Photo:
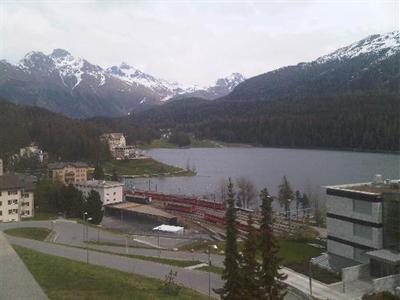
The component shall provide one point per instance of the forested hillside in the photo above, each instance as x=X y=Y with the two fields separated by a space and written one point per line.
x=61 y=137
x=352 y=120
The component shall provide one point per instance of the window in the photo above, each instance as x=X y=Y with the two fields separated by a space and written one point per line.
x=362 y=207
x=1 y=202
x=362 y=231
x=25 y=195
x=12 y=193
x=1 y=213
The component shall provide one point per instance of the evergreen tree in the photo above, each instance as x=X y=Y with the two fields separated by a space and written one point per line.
x=298 y=203
x=94 y=207
x=250 y=268
x=232 y=289
x=98 y=172
x=305 y=203
x=114 y=176
x=285 y=194
x=271 y=278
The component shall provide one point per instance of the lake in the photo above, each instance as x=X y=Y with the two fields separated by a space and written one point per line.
x=306 y=170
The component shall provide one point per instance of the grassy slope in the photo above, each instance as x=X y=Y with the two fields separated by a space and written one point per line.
x=62 y=278
x=40 y=216
x=143 y=167
x=34 y=233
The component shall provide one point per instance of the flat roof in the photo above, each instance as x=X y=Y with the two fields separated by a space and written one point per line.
x=385 y=255
x=168 y=228
x=143 y=209
x=393 y=186
x=99 y=183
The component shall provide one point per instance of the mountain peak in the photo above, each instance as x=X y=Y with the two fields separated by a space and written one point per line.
x=59 y=53
x=385 y=44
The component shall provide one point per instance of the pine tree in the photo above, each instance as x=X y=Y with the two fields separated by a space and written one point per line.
x=249 y=267
x=232 y=288
x=271 y=278
x=285 y=194
x=94 y=207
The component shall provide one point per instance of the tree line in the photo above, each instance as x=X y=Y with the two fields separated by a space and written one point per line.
x=55 y=197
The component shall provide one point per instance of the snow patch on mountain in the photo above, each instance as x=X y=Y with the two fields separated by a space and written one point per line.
x=387 y=44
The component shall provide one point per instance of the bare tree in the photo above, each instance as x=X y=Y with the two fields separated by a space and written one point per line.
x=222 y=190
x=247 y=192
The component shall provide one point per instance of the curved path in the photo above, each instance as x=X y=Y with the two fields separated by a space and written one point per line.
x=71 y=233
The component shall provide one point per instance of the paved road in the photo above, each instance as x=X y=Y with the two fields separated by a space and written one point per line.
x=71 y=233
x=193 y=279
x=16 y=282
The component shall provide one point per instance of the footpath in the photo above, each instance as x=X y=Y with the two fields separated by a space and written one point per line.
x=16 y=282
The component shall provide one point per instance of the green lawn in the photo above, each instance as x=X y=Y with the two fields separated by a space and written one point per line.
x=34 y=233
x=144 y=167
x=212 y=269
x=66 y=279
x=295 y=255
x=135 y=244
x=41 y=216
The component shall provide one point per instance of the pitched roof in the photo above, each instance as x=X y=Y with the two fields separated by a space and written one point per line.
x=16 y=181
x=62 y=165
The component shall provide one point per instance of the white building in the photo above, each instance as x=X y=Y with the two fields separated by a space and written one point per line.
x=32 y=150
x=16 y=197
x=110 y=191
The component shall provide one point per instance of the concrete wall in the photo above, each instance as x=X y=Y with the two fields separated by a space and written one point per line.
x=356 y=272
x=387 y=283
x=344 y=230
x=344 y=207
x=340 y=249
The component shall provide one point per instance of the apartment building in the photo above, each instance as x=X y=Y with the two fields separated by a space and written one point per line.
x=110 y=191
x=363 y=223
x=68 y=172
x=16 y=197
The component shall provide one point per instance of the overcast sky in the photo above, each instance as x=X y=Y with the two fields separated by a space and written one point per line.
x=191 y=41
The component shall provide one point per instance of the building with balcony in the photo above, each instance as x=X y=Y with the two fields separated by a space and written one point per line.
x=68 y=172
x=363 y=223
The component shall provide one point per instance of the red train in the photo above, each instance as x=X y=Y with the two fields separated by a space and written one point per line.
x=180 y=199
x=181 y=208
x=221 y=220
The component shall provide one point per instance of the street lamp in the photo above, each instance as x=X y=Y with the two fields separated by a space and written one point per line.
x=310 y=273
x=87 y=236
x=209 y=268
x=83 y=225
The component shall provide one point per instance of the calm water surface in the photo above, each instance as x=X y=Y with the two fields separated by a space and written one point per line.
x=305 y=169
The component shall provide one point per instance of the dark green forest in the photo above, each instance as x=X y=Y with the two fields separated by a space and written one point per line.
x=63 y=138
x=350 y=120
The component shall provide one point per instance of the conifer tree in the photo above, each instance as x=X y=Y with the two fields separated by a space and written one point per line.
x=232 y=288
x=271 y=278
x=249 y=267
x=94 y=207
x=285 y=194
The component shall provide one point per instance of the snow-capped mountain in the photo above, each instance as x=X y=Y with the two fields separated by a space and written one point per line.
x=74 y=86
x=367 y=64
x=382 y=45
x=222 y=87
